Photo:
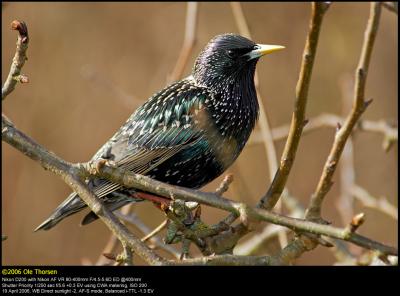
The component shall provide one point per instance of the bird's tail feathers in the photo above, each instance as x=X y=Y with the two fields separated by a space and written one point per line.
x=71 y=205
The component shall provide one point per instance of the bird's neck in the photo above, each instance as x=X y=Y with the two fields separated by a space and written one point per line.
x=234 y=107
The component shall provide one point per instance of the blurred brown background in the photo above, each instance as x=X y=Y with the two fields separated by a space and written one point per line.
x=92 y=64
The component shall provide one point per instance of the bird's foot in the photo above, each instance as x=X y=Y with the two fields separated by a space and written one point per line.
x=185 y=249
x=161 y=203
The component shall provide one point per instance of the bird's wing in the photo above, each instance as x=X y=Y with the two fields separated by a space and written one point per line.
x=159 y=129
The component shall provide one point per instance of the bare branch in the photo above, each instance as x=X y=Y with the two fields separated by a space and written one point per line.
x=359 y=106
x=72 y=174
x=19 y=59
x=330 y=120
x=230 y=260
x=249 y=247
x=391 y=6
x=155 y=240
x=269 y=200
x=112 y=242
x=69 y=173
x=345 y=202
x=155 y=231
x=224 y=186
x=127 y=255
x=347 y=179
x=356 y=222
x=380 y=204
x=129 y=179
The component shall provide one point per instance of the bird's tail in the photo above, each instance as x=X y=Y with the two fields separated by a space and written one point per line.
x=71 y=205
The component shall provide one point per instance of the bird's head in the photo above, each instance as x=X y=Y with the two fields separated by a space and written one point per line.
x=229 y=57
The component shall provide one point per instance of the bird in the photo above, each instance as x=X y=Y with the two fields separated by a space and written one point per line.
x=188 y=133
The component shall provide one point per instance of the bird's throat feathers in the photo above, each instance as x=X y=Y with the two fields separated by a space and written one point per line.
x=234 y=98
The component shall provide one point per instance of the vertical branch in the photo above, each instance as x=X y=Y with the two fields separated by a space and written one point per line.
x=345 y=203
x=392 y=6
x=269 y=200
x=112 y=242
x=359 y=106
x=127 y=255
x=188 y=42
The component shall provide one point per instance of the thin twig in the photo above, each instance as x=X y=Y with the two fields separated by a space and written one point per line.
x=127 y=255
x=188 y=42
x=155 y=240
x=19 y=59
x=355 y=223
x=252 y=245
x=331 y=120
x=249 y=247
x=391 y=6
x=224 y=186
x=345 y=202
x=155 y=231
x=359 y=106
x=367 y=200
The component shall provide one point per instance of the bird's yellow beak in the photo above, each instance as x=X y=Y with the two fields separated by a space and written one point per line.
x=263 y=49
x=266 y=49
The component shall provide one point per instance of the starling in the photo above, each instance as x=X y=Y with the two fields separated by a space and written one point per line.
x=187 y=134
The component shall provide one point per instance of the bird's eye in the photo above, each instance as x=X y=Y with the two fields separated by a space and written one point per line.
x=231 y=53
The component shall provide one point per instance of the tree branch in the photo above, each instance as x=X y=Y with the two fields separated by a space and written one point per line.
x=129 y=179
x=19 y=59
x=367 y=200
x=391 y=6
x=69 y=173
x=112 y=242
x=269 y=200
x=72 y=174
x=155 y=240
x=359 y=106
x=388 y=131
x=249 y=247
